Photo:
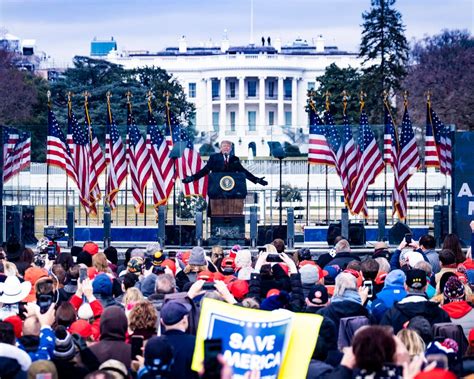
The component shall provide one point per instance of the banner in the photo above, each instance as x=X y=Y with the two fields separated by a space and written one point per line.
x=279 y=343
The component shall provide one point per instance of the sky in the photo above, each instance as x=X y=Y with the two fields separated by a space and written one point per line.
x=64 y=28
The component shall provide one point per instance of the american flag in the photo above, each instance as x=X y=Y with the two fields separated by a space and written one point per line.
x=319 y=151
x=58 y=153
x=18 y=157
x=442 y=141
x=10 y=138
x=98 y=163
x=161 y=165
x=189 y=163
x=78 y=141
x=390 y=140
x=115 y=158
x=139 y=165
x=348 y=161
x=446 y=142
x=407 y=163
x=431 y=150
x=369 y=165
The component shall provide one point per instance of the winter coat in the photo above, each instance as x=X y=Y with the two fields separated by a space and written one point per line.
x=13 y=361
x=411 y=306
x=70 y=369
x=183 y=347
x=433 y=257
x=342 y=259
x=461 y=313
x=385 y=300
x=39 y=348
x=97 y=310
x=112 y=345
x=261 y=284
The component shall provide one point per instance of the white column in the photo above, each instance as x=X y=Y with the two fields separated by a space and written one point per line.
x=240 y=129
x=209 y=104
x=294 y=102
x=281 y=110
x=222 y=111
x=261 y=104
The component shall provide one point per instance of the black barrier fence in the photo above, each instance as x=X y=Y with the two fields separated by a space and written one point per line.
x=421 y=208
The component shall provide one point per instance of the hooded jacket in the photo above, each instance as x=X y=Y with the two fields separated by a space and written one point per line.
x=461 y=313
x=112 y=345
x=385 y=300
x=411 y=306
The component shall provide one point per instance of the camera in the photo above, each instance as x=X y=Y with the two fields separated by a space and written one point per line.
x=44 y=301
x=53 y=233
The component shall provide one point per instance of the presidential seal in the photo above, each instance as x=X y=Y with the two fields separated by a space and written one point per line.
x=227 y=183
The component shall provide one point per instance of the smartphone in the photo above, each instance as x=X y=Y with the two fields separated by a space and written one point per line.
x=82 y=274
x=440 y=359
x=212 y=367
x=51 y=252
x=44 y=301
x=274 y=258
x=137 y=344
x=408 y=238
x=44 y=375
x=370 y=286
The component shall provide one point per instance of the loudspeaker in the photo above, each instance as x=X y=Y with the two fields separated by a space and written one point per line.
x=397 y=233
x=180 y=235
x=227 y=230
x=441 y=223
x=20 y=220
x=357 y=234
x=28 y=225
x=267 y=233
x=356 y=237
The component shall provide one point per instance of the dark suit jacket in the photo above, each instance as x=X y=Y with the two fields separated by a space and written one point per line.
x=216 y=164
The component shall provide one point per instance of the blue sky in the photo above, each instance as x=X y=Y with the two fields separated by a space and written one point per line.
x=64 y=28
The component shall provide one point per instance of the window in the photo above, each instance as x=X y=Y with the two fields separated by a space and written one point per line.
x=192 y=90
x=271 y=118
x=252 y=121
x=252 y=88
x=232 y=121
x=232 y=89
x=287 y=88
x=215 y=89
x=287 y=118
x=271 y=89
x=215 y=121
x=311 y=86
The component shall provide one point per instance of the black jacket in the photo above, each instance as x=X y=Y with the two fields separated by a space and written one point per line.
x=341 y=309
x=402 y=312
x=183 y=350
x=342 y=259
x=216 y=164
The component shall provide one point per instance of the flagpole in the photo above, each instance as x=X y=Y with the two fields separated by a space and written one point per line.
x=328 y=203
x=128 y=94
x=47 y=169
x=144 y=206
x=385 y=97
x=310 y=94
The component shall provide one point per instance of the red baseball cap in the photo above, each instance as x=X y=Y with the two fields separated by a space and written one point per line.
x=170 y=264
x=206 y=275
x=272 y=292
x=239 y=288
x=91 y=247
x=81 y=327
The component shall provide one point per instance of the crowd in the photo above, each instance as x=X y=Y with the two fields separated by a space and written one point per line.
x=405 y=313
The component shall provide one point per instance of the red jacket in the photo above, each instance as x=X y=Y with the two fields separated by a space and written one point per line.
x=97 y=309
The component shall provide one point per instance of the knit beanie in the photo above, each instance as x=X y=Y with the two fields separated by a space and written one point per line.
x=243 y=258
x=64 y=346
x=197 y=257
x=102 y=285
x=395 y=278
x=85 y=258
x=309 y=274
x=158 y=355
x=454 y=290
x=275 y=301
x=85 y=312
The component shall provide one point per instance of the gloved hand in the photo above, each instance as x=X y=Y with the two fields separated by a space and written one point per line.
x=188 y=179
x=262 y=181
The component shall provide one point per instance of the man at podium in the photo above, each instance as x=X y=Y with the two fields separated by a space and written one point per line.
x=224 y=162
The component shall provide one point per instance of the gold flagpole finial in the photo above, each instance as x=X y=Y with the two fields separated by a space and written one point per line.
x=128 y=95
x=109 y=95
x=385 y=96
x=428 y=96
x=328 y=102
x=69 y=96
x=405 y=98
x=149 y=96
x=362 y=96
x=86 y=95
x=48 y=95
x=167 y=95
x=344 y=100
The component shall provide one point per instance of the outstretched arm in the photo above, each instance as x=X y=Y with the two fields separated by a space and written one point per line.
x=198 y=175
x=249 y=175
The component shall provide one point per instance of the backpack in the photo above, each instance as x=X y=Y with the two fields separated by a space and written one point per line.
x=347 y=328
x=453 y=331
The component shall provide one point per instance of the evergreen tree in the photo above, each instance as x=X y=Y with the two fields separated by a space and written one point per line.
x=384 y=50
x=336 y=80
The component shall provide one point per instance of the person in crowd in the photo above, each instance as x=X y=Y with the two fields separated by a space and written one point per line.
x=112 y=345
x=25 y=261
x=381 y=250
x=65 y=315
x=426 y=267
x=65 y=355
x=316 y=298
x=347 y=300
x=398 y=260
x=174 y=318
x=197 y=263
x=32 y=275
x=100 y=263
x=13 y=296
x=243 y=264
x=158 y=359
x=309 y=277
x=43 y=369
x=165 y=284
x=112 y=258
x=142 y=320
x=14 y=362
x=447 y=260
x=369 y=270
x=412 y=341
x=416 y=303
x=72 y=276
x=451 y=242
x=427 y=244
x=392 y=292
x=131 y=297
x=214 y=261
x=455 y=304
x=102 y=287
x=65 y=260
x=343 y=255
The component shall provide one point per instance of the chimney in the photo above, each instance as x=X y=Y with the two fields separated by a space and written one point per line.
x=277 y=44
x=182 y=45
x=320 y=44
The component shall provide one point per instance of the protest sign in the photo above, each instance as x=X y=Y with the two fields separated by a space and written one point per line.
x=279 y=344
